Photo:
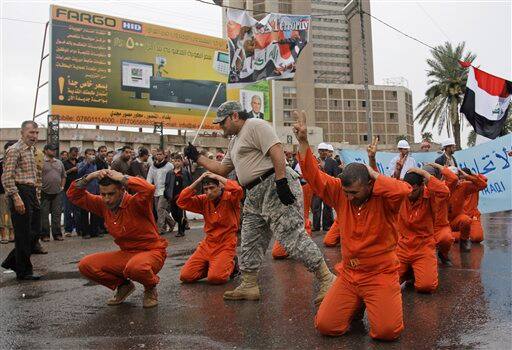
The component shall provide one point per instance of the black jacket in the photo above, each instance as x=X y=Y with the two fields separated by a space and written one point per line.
x=442 y=160
x=169 y=182
x=331 y=167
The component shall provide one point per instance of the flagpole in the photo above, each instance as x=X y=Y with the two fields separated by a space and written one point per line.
x=206 y=113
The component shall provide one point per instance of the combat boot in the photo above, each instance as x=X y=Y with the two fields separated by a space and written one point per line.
x=247 y=290
x=325 y=280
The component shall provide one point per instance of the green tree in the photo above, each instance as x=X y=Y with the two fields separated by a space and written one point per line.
x=426 y=136
x=402 y=137
x=447 y=84
x=507 y=129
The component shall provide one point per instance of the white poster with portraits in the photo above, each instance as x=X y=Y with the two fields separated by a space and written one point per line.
x=253 y=102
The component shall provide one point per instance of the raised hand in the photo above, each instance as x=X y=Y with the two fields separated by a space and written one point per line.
x=372 y=148
x=299 y=128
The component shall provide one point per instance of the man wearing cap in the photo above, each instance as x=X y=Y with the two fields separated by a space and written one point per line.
x=273 y=203
x=400 y=164
x=53 y=179
x=330 y=167
x=447 y=158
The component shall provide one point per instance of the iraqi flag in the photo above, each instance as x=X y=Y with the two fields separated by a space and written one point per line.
x=486 y=102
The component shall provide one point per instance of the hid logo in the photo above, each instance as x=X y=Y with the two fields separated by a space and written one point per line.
x=133 y=27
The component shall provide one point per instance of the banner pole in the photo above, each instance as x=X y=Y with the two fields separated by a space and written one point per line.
x=206 y=113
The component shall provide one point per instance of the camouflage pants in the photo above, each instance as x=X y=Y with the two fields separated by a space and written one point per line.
x=265 y=215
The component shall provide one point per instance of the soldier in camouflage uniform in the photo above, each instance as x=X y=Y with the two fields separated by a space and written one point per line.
x=273 y=204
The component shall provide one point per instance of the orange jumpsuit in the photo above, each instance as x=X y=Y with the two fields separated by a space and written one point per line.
x=462 y=189
x=416 y=242
x=442 y=230
x=476 y=233
x=214 y=256
x=368 y=271
x=332 y=237
x=134 y=229
x=278 y=251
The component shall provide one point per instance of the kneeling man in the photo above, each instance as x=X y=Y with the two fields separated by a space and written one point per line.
x=129 y=219
x=214 y=258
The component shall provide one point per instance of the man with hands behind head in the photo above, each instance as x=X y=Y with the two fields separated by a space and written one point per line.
x=129 y=219
x=219 y=204
x=367 y=205
x=273 y=203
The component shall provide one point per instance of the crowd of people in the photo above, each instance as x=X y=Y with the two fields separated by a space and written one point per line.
x=393 y=228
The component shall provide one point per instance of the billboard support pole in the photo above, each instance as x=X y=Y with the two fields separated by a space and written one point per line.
x=39 y=85
x=206 y=113
x=52 y=131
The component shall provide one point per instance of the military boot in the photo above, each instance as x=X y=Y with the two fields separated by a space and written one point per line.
x=247 y=290
x=325 y=279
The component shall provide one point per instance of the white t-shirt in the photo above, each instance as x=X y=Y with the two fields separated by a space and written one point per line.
x=408 y=164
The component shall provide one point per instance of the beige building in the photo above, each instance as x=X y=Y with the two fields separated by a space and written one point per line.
x=330 y=76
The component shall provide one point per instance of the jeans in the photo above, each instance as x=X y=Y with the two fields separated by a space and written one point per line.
x=51 y=205
x=71 y=215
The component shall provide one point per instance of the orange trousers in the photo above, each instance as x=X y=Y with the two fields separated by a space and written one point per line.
x=213 y=261
x=278 y=251
x=111 y=269
x=476 y=231
x=332 y=237
x=423 y=262
x=377 y=287
x=444 y=239
x=462 y=223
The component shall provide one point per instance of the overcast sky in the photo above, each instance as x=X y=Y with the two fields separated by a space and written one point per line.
x=485 y=26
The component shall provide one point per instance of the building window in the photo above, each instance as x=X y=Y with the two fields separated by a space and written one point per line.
x=392 y=116
x=287 y=102
x=363 y=103
x=286 y=114
x=348 y=103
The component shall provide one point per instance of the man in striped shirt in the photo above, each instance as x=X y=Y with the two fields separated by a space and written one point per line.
x=22 y=182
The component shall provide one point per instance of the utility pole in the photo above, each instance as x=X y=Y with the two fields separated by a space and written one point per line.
x=349 y=11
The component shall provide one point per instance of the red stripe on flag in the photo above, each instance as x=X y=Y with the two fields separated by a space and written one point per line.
x=493 y=85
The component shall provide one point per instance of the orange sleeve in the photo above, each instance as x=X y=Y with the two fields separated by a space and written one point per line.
x=234 y=190
x=325 y=186
x=438 y=188
x=143 y=190
x=85 y=200
x=475 y=184
x=392 y=190
x=451 y=178
x=188 y=200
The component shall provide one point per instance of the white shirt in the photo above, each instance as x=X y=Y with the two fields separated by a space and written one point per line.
x=156 y=176
x=408 y=164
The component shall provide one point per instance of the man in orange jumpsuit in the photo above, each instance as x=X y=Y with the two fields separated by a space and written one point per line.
x=214 y=257
x=367 y=205
x=416 y=243
x=129 y=219
x=442 y=229
x=476 y=234
x=461 y=189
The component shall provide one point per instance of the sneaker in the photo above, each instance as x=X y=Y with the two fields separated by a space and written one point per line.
x=122 y=292
x=45 y=239
x=150 y=298
x=68 y=234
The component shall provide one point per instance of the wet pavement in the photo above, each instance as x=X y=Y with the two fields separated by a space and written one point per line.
x=471 y=309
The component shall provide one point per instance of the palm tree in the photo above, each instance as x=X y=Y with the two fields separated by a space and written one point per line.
x=447 y=86
x=426 y=136
x=507 y=129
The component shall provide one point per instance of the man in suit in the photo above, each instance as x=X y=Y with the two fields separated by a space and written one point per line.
x=447 y=159
x=256 y=107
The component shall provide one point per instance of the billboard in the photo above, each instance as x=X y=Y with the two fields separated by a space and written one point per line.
x=266 y=49
x=115 y=71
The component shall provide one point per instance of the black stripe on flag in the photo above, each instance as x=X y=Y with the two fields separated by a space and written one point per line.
x=483 y=126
